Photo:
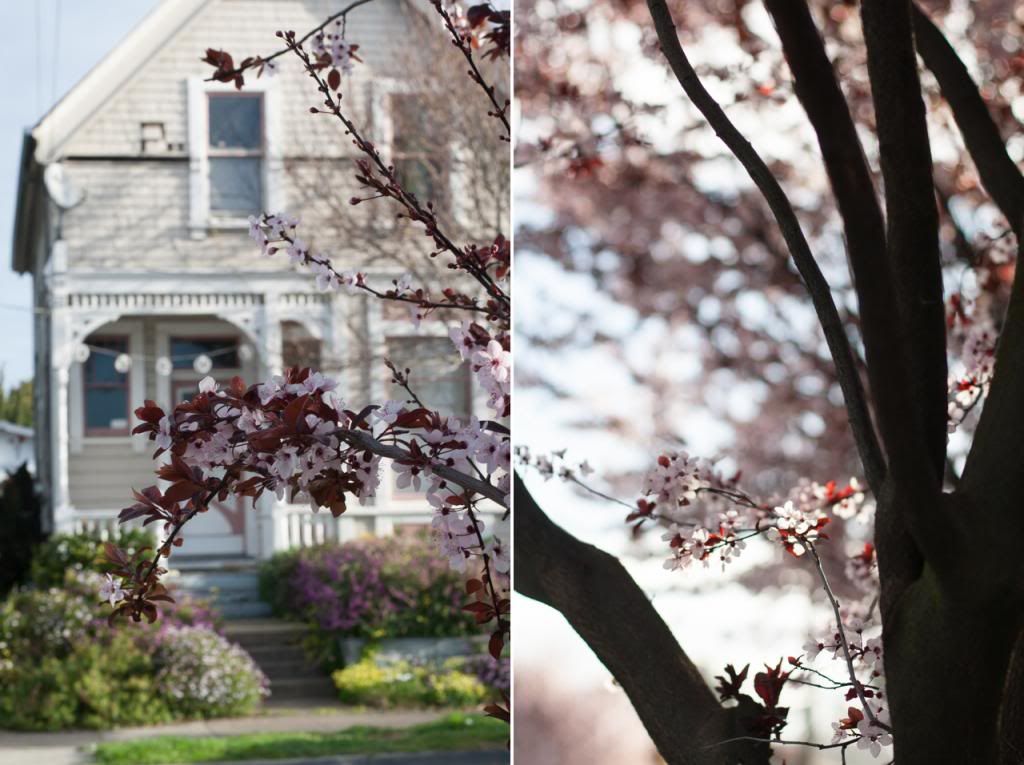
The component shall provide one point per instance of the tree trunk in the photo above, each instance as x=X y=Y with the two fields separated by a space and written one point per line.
x=948 y=641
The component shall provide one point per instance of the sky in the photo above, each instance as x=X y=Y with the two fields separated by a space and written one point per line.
x=52 y=45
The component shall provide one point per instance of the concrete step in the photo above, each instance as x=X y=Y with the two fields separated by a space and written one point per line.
x=224 y=581
x=230 y=582
x=274 y=629
x=245 y=610
x=294 y=668
x=302 y=689
x=276 y=646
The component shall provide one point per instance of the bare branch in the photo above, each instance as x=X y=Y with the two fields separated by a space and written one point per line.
x=913 y=234
x=814 y=280
x=997 y=454
x=999 y=174
x=819 y=92
x=363 y=440
x=613 y=615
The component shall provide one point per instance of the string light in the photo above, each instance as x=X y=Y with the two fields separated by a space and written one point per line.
x=202 y=364
x=84 y=350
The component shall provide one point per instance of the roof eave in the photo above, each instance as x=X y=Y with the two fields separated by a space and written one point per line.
x=26 y=206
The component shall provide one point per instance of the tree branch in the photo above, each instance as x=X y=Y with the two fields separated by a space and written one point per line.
x=999 y=174
x=882 y=323
x=817 y=287
x=913 y=238
x=361 y=440
x=997 y=454
x=818 y=90
x=615 y=618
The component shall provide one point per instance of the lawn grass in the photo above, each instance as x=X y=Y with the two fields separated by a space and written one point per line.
x=456 y=732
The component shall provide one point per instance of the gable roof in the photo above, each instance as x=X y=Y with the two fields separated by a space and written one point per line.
x=42 y=143
x=109 y=75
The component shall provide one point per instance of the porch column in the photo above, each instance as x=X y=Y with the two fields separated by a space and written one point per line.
x=271 y=516
x=60 y=374
x=274 y=351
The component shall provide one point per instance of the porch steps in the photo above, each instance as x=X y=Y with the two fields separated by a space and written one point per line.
x=232 y=584
x=276 y=646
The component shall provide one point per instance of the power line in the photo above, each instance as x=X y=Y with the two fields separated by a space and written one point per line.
x=39 y=59
x=56 y=49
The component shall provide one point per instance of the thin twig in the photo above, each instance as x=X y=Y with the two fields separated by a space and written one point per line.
x=842 y=639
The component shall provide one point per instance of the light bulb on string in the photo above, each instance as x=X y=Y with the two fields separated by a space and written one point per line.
x=164 y=366
x=82 y=353
x=123 y=363
x=203 y=364
x=245 y=352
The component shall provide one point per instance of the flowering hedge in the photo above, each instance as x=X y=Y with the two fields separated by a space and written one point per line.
x=204 y=675
x=369 y=588
x=62 y=665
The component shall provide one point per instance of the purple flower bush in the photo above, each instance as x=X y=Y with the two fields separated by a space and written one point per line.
x=370 y=588
x=493 y=673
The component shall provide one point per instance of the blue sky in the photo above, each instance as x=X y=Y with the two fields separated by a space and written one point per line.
x=52 y=44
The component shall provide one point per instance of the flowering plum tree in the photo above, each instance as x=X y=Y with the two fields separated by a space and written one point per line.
x=292 y=435
x=924 y=340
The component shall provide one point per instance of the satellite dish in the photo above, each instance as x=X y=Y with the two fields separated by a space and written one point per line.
x=60 y=189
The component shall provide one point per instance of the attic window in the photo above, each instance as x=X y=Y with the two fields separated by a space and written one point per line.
x=236 y=154
x=153 y=138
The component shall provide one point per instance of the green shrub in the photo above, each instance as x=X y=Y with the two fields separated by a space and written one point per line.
x=98 y=684
x=80 y=552
x=274 y=574
x=402 y=684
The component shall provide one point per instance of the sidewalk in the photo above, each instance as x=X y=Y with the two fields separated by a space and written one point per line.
x=64 y=748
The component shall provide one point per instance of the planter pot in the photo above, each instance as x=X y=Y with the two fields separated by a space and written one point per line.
x=412 y=649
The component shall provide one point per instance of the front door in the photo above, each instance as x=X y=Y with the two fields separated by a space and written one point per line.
x=221 y=529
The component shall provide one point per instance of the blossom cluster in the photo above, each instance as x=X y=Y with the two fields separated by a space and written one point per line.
x=553 y=464
x=277 y=232
x=858 y=642
x=970 y=386
x=295 y=438
x=708 y=515
x=490 y=358
x=333 y=50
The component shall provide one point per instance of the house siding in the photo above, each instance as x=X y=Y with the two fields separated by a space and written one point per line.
x=136 y=211
x=103 y=475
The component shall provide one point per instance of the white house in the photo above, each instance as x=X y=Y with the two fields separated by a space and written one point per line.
x=16 y=448
x=133 y=195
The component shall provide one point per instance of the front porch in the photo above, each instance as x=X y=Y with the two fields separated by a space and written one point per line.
x=277 y=527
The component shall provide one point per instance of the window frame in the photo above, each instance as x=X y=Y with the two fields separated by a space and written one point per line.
x=427 y=158
x=201 y=220
x=216 y=152
x=220 y=339
x=126 y=386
